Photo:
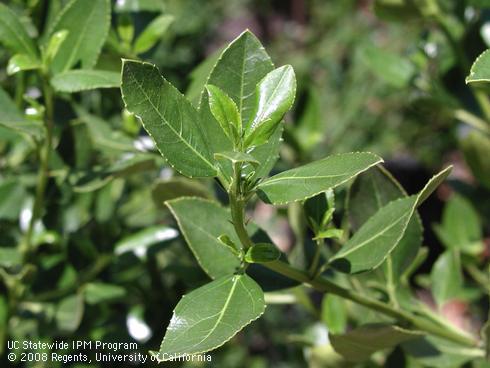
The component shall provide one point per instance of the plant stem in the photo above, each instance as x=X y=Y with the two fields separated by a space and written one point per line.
x=43 y=174
x=320 y=283
x=325 y=285
x=316 y=258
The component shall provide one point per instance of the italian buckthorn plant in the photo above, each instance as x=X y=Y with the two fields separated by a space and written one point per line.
x=360 y=258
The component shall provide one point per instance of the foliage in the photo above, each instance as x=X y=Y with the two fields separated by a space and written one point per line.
x=95 y=211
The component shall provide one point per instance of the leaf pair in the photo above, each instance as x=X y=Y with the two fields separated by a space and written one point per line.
x=191 y=137
x=274 y=97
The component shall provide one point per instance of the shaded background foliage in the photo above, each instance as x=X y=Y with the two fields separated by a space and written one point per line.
x=107 y=255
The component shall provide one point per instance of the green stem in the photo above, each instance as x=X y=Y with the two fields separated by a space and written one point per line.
x=320 y=283
x=43 y=174
x=325 y=285
x=312 y=271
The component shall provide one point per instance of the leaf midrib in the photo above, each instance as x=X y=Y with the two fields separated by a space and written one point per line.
x=140 y=86
x=347 y=252
x=221 y=314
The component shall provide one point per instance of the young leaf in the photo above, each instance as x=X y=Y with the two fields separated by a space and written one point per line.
x=14 y=35
x=208 y=317
x=168 y=117
x=480 y=70
x=201 y=223
x=262 y=253
x=87 y=23
x=274 y=97
x=224 y=111
x=226 y=241
x=250 y=63
x=54 y=43
x=316 y=177
x=21 y=62
x=83 y=80
x=359 y=344
x=432 y=184
x=152 y=33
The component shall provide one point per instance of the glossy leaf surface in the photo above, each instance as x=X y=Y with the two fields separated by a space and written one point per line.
x=152 y=33
x=168 y=117
x=316 y=177
x=209 y=316
x=87 y=23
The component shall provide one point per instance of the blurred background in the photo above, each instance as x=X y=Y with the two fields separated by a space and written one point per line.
x=381 y=76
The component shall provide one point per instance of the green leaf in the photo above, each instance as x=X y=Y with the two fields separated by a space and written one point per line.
x=201 y=223
x=330 y=234
x=309 y=131
x=461 y=227
x=432 y=185
x=446 y=277
x=371 y=191
x=14 y=35
x=391 y=67
x=359 y=344
x=480 y=70
x=13 y=119
x=250 y=63
x=476 y=149
x=377 y=238
x=152 y=33
x=83 y=80
x=262 y=253
x=208 y=317
x=224 y=111
x=334 y=313
x=53 y=46
x=173 y=188
x=237 y=157
x=274 y=96
x=226 y=241
x=98 y=292
x=316 y=177
x=69 y=313
x=87 y=24
x=168 y=117
x=22 y=62
x=141 y=241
